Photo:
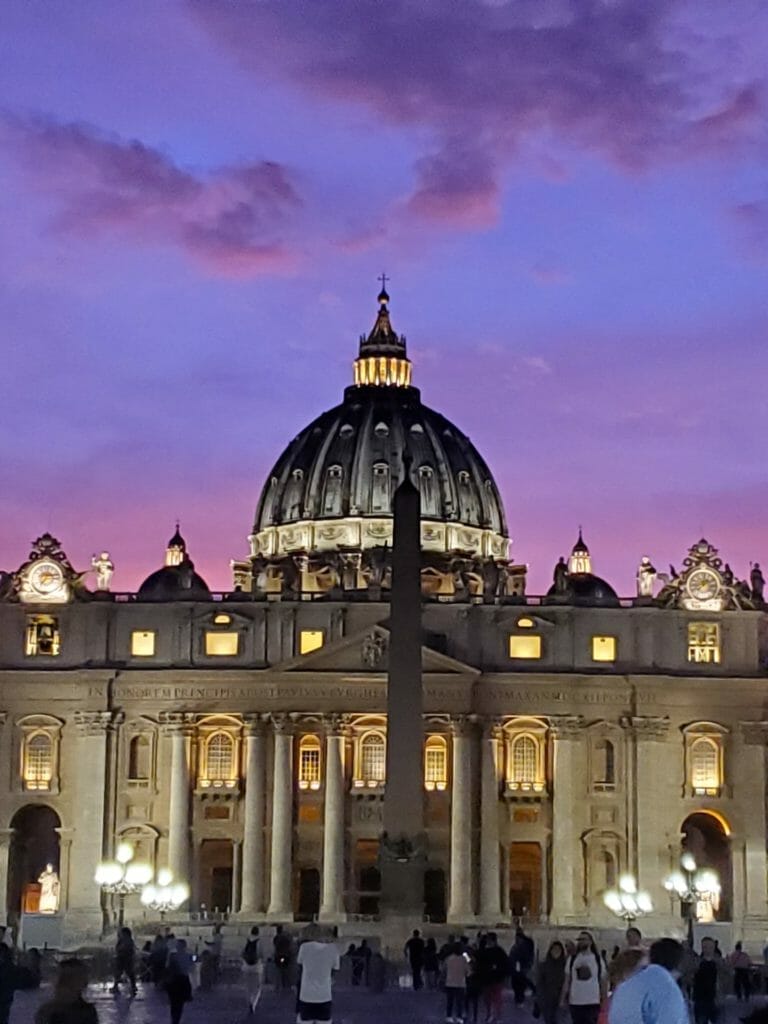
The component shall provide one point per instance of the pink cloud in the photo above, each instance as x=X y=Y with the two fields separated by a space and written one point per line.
x=617 y=79
x=232 y=220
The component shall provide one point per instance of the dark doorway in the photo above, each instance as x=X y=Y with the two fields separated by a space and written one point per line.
x=434 y=895
x=705 y=836
x=216 y=874
x=525 y=879
x=34 y=844
x=309 y=894
x=368 y=876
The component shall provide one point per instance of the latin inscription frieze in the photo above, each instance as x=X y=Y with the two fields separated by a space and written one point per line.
x=247 y=693
x=565 y=696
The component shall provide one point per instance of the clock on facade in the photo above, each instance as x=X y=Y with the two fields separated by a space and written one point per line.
x=45 y=581
x=703 y=589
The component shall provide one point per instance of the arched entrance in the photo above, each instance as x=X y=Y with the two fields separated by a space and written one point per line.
x=434 y=895
x=34 y=844
x=705 y=835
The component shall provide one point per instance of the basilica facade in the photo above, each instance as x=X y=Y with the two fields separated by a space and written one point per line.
x=239 y=739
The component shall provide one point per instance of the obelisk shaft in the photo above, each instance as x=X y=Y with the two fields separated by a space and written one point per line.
x=402 y=878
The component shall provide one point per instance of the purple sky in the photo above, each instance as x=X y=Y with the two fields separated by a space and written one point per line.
x=570 y=198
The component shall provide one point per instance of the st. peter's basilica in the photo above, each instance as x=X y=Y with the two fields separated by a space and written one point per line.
x=240 y=739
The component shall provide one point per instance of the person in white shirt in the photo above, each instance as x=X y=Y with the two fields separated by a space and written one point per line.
x=585 y=981
x=317 y=961
x=651 y=995
x=252 y=969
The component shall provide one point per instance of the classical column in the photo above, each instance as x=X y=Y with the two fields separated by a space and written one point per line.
x=460 y=904
x=237 y=867
x=281 y=863
x=180 y=727
x=567 y=880
x=6 y=837
x=252 y=887
x=490 y=890
x=649 y=822
x=332 y=903
x=90 y=797
x=749 y=782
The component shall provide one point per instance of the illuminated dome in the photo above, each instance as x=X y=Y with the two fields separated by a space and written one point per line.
x=177 y=580
x=332 y=488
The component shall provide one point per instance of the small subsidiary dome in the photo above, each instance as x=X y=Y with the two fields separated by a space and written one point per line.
x=177 y=580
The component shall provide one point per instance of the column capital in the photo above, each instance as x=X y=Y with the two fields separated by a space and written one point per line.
x=754 y=733
x=490 y=726
x=254 y=724
x=646 y=727
x=566 y=727
x=96 y=723
x=283 y=723
x=177 y=723
x=462 y=725
x=335 y=724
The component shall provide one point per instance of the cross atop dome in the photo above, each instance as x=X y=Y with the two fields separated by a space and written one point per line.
x=383 y=361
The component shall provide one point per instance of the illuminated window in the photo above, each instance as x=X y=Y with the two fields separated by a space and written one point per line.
x=43 y=637
x=524 y=646
x=525 y=623
x=310 y=640
x=435 y=763
x=373 y=759
x=139 y=754
x=704 y=756
x=704 y=643
x=222 y=620
x=524 y=760
x=603 y=648
x=38 y=761
x=603 y=765
x=221 y=644
x=219 y=761
x=309 y=762
x=143 y=643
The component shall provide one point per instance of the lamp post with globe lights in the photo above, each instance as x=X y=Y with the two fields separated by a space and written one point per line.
x=627 y=902
x=122 y=877
x=164 y=895
x=692 y=885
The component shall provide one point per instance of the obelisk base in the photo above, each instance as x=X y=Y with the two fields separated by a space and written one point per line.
x=403 y=861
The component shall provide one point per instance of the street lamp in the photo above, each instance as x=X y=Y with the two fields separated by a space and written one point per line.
x=691 y=886
x=627 y=902
x=122 y=876
x=164 y=895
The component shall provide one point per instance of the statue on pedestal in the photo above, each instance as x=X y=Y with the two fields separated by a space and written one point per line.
x=757 y=581
x=104 y=568
x=560 y=577
x=50 y=890
x=646 y=577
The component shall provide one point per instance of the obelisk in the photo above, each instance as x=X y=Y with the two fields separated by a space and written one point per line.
x=403 y=845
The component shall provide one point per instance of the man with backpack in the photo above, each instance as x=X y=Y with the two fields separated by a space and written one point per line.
x=585 y=981
x=252 y=969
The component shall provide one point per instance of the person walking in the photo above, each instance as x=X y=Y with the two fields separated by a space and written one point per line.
x=177 y=984
x=283 y=947
x=158 y=956
x=317 y=960
x=493 y=968
x=650 y=994
x=67 y=1005
x=414 y=954
x=125 y=961
x=252 y=969
x=585 y=984
x=431 y=964
x=741 y=965
x=706 y=984
x=472 y=1000
x=456 y=966
x=550 y=978
x=521 y=957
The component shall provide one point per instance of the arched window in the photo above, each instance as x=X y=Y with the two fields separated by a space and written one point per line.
x=524 y=760
x=604 y=766
x=373 y=759
x=380 y=488
x=435 y=763
x=608 y=869
x=704 y=757
x=38 y=761
x=309 y=762
x=428 y=491
x=219 y=758
x=139 y=751
x=332 y=493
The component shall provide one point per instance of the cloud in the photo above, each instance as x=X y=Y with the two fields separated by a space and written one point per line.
x=231 y=220
x=750 y=220
x=615 y=78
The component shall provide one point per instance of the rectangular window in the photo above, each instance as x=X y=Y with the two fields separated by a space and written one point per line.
x=309 y=768
x=704 y=643
x=310 y=640
x=43 y=637
x=221 y=644
x=603 y=648
x=524 y=646
x=143 y=643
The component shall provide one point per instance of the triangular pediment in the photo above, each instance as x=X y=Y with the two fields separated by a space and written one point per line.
x=367 y=651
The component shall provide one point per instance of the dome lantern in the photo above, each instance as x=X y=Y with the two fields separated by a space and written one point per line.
x=383 y=361
x=580 y=561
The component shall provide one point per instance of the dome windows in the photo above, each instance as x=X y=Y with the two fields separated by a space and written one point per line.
x=346 y=430
x=381 y=430
x=417 y=428
x=463 y=477
x=429 y=502
x=380 y=497
x=332 y=496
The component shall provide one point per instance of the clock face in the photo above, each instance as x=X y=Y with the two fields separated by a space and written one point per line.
x=46 y=578
x=703 y=585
